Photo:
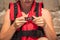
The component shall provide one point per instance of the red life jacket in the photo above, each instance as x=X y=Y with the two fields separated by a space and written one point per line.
x=29 y=25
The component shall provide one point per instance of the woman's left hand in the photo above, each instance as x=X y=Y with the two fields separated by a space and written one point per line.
x=39 y=21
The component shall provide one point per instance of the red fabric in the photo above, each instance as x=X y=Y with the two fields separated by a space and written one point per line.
x=29 y=25
x=11 y=11
x=40 y=8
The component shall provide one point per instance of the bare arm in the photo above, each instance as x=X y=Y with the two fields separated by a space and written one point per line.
x=49 y=28
x=7 y=29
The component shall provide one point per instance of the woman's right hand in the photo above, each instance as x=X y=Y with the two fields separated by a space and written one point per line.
x=19 y=22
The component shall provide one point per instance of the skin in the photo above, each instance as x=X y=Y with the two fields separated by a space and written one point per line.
x=26 y=5
x=45 y=21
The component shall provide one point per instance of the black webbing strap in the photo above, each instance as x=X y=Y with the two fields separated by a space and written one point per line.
x=32 y=33
x=36 y=9
x=15 y=10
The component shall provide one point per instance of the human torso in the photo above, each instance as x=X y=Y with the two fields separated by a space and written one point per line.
x=28 y=26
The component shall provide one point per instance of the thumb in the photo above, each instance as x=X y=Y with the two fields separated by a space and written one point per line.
x=34 y=17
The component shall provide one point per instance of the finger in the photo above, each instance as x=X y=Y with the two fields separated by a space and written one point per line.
x=38 y=19
x=21 y=21
x=18 y=24
x=24 y=15
x=34 y=17
x=20 y=18
x=34 y=20
x=40 y=22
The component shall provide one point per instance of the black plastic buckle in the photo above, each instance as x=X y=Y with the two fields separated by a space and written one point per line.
x=29 y=18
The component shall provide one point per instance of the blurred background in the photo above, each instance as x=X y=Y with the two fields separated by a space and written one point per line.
x=52 y=5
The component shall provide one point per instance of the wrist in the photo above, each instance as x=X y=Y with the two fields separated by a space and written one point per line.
x=14 y=25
